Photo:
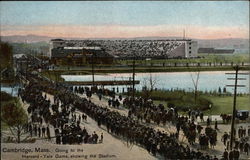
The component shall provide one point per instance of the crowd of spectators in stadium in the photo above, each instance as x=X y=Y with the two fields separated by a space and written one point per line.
x=128 y=48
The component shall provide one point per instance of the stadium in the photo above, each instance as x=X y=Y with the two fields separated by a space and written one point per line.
x=128 y=49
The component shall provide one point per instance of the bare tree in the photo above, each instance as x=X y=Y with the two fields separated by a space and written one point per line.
x=152 y=82
x=149 y=85
x=195 y=80
x=145 y=90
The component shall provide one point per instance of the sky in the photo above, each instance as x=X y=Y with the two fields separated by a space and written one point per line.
x=126 y=19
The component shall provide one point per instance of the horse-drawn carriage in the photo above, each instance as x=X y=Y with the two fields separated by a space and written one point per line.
x=242 y=114
x=226 y=118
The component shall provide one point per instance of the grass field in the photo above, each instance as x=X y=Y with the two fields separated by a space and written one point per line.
x=55 y=76
x=125 y=66
x=236 y=58
x=223 y=104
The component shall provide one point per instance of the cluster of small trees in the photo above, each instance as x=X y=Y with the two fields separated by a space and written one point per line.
x=15 y=118
x=38 y=48
x=219 y=92
x=5 y=55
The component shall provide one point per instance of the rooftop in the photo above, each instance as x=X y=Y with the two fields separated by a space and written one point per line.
x=57 y=39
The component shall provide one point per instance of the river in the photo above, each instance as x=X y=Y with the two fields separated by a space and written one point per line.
x=12 y=90
x=208 y=81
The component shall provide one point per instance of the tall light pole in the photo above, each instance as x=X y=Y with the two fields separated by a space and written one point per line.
x=93 y=72
x=1 y=77
x=150 y=75
x=234 y=102
x=133 y=95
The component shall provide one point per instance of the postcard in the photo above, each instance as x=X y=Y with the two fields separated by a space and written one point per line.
x=124 y=80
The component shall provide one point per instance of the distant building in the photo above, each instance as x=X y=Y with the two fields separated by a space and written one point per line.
x=62 y=54
x=143 y=49
x=215 y=51
x=55 y=43
x=79 y=51
x=187 y=49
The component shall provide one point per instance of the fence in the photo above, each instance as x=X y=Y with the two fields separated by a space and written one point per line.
x=209 y=64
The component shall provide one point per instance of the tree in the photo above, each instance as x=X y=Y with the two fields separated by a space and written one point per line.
x=219 y=90
x=145 y=91
x=149 y=85
x=16 y=119
x=195 y=81
x=5 y=55
x=152 y=82
x=224 y=90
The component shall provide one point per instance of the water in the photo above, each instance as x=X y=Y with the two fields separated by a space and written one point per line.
x=208 y=81
x=10 y=90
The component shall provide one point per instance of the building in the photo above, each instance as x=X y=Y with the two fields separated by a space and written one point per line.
x=100 y=56
x=55 y=43
x=143 y=49
x=186 y=49
x=79 y=51
x=63 y=54
x=215 y=51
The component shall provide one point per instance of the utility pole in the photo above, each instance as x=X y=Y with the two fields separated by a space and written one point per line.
x=184 y=36
x=1 y=85
x=133 y=95
x=234 y=108
x=26 y=68
x=234 y=102
x=93 y=74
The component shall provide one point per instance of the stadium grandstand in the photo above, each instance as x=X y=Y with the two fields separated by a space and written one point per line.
x=128 y=49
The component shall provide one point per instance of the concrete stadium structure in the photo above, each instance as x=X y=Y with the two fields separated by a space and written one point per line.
x=61 y=53
x=127 y=49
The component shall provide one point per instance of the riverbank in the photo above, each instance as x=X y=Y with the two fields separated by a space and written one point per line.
x=56 y=74
x=114 y=69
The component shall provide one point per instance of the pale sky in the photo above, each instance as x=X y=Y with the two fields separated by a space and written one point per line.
x=110 y=19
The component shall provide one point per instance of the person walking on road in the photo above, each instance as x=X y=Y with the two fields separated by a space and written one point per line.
x=216 y=124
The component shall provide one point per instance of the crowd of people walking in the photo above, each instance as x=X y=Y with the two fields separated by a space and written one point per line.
x=63 y=115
